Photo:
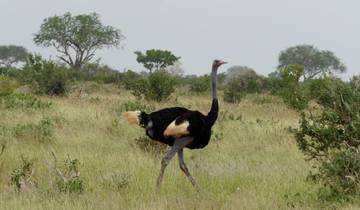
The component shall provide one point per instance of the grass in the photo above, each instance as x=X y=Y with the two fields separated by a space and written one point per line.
x=252 y=163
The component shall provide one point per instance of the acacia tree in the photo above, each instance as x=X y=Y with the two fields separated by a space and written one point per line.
x=315 y=62
x=156 y=59
x=77 y=38
x=12 y=54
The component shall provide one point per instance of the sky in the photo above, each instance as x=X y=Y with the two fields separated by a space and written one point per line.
x=243 y=32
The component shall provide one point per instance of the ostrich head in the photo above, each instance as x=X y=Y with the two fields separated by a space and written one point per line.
x=218 y=63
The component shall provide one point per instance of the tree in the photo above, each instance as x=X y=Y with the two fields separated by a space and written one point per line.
x=156 y=59
x=77 y=38
x=12 y=54
x=316 y=62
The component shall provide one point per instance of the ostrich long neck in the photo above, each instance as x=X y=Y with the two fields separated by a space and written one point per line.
x=213 y=114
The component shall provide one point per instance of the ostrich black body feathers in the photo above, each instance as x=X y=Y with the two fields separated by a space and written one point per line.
x=199 y=127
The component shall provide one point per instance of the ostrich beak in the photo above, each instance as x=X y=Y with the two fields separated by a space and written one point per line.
x=223 y=62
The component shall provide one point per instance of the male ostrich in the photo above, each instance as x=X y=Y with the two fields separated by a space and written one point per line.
x=179 y=127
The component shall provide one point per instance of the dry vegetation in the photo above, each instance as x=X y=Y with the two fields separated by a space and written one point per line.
x=251 y=163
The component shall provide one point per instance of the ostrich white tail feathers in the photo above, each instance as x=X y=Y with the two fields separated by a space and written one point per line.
x=132 y=117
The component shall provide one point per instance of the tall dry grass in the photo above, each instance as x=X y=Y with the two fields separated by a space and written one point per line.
x=251 y=163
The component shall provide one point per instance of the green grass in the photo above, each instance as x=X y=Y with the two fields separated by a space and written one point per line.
x=252 y=163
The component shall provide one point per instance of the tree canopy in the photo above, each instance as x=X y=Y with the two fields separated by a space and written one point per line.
x=156 y=59
x=76 y=38
x=315 y=62
x=12 y=54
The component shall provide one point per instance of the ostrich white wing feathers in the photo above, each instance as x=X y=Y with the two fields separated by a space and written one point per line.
x=177 y=130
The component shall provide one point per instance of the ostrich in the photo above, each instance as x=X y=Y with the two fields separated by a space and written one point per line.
x=179 y=128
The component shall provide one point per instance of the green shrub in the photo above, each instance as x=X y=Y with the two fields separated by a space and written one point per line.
x=355 y=83
x=200 y=84
x=21 y=176
x=296 y=98
x=157 y=87
x=291 y=90
x=46 y=76
x=128 y=78
x=161 y=85
x=96 y=72
x=136 y=105
x=42 y=131
x=23 y=101
x=241 y=81
x=234 y=91
x=7 y=85
x=139 y=88
x=330 y=139
x=68 y=180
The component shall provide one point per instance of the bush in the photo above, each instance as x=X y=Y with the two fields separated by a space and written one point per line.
x=296 y=98
x=7 y=85
x=139 y=88
x=21 y=176
x=157 y=87
x=135 y=105
x=331 y=140
x=200 y=84
x=96 y=72
x=68 y=180
x=234 y=91
x=42 y=131
x=291 y=91
x=161 y=85
x=241 y=81
x=23 y=101
x=129 y=78
x=355 y=83
x=47 y=77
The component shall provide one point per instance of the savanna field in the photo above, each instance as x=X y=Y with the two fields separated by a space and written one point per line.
x=251 y=162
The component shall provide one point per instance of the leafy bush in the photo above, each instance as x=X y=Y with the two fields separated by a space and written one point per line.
x=297 y=98
x=331 y=140
x=241 y=81
x=139 y=88
x=129 y=78
x=234 y=91
x=21 y=176
x=46 y=76
x=42 y=131
x=161 y=85
x=157 y=87
x=23 y=101
x=291 y=91
x=135 y=105
x=200 y=84
x=7 y=85
x=69 y=180
x=96 y=72
x=355 y=82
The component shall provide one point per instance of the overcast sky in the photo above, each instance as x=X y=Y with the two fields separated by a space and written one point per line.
x=242 y=32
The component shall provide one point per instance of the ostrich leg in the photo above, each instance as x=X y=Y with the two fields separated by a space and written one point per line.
x=178 y=145
x=185 y=169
